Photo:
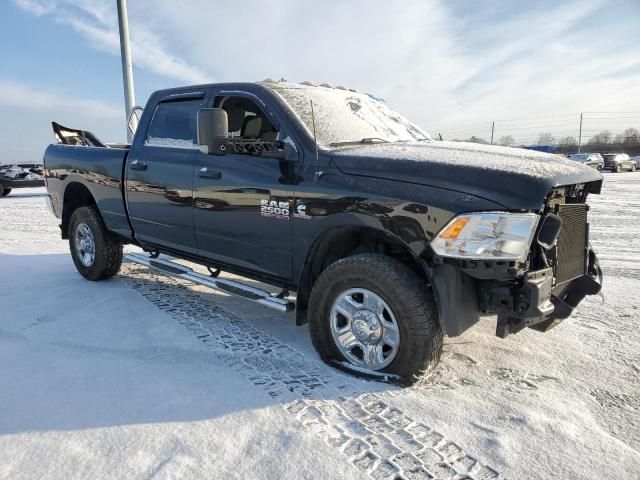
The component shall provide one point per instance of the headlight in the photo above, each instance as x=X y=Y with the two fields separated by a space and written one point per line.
x=487 y=236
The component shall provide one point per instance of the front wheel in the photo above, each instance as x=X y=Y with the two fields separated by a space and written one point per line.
x=372 y=314
x=633 y=168
x=96 y=252
x=619 y=169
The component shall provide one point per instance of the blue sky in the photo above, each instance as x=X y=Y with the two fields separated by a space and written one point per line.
x=451 y=66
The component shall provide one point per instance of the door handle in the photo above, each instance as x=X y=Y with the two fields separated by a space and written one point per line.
x=213 y=174
x=136 y=165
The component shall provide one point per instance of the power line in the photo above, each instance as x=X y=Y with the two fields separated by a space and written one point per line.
x=614 y=113
x=573 y=115
x=627 y=119
x=527 y=130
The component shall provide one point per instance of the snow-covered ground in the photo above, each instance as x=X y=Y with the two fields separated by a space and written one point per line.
x=143 y=376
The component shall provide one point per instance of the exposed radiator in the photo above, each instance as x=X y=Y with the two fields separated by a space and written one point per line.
x=572 y=242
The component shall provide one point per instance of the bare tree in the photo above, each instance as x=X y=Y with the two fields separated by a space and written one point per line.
x=631 y=137
x=546 y=138
x=507 y=141
x=604 y=137
x=567 y=145
x=475 y=139
x=568 y=142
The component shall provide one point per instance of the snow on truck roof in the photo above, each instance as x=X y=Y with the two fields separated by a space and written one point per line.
x=341 y=114
x=308 y=83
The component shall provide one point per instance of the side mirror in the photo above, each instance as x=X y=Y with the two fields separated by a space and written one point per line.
x=213 y=131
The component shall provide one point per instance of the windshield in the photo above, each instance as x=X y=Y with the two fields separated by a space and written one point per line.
x=578 y=157
x=609 y=157
x=346 y=116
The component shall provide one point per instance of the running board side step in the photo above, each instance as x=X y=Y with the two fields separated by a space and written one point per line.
x=223 y=285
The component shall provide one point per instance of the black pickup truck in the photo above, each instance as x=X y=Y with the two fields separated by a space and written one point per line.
x=390 y=239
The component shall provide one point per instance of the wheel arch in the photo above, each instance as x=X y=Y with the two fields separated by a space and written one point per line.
x=76 y=195
x=344 y=241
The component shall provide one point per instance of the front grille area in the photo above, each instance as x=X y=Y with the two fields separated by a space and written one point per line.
x=572 y=241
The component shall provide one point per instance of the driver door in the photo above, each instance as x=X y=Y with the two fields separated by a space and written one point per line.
x=242 y=201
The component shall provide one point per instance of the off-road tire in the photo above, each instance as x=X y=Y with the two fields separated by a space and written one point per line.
x=108 y=248
x=409 y=297
x=4 y=191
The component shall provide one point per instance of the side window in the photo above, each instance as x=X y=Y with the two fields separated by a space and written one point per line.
x=174 y=124
x=246 y=120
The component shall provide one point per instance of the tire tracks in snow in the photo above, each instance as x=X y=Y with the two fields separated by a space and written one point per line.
x=378 y=439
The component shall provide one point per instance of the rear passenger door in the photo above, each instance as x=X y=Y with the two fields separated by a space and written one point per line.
x=159 y=174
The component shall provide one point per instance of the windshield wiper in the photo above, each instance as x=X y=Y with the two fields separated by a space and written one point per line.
x=367 y=140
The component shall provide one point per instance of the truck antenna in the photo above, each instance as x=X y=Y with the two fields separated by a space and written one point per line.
x=317 y=174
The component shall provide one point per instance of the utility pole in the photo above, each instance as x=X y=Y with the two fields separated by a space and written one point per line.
x=127 y=67
x=493 y=127
x=580 y=135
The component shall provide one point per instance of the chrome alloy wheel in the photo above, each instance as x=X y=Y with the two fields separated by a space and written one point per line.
x=85 y=245
x=364 y=329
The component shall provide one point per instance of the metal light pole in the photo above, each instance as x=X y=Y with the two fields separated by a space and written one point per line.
x=127 y=67
x=580 y=135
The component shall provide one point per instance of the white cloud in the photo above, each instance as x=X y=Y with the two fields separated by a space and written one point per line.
x=97 y=22
x=37 y=7
x=26 y=114
x=17 y=96
x=443 y=71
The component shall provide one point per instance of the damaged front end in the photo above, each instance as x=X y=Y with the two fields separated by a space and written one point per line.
x=560 y=270
x=563 y=268
x=535 y=301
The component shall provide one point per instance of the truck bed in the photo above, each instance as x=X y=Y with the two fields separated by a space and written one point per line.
x=99 y=169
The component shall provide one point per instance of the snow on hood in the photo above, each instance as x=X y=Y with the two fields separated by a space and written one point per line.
x=513 y=177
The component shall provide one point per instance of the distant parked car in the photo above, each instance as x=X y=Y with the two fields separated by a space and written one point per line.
x=637 y=160
x=617 y=162
x=593 y=160
x=20 y=175
x=20 y=171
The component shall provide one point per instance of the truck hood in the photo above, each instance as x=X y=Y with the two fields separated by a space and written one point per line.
x=515 y=178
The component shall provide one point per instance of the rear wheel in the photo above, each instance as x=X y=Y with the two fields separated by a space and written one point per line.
x=618 y=168
x=633 y=167
x=372 y=314
x=96 y=252
x=4 y=191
